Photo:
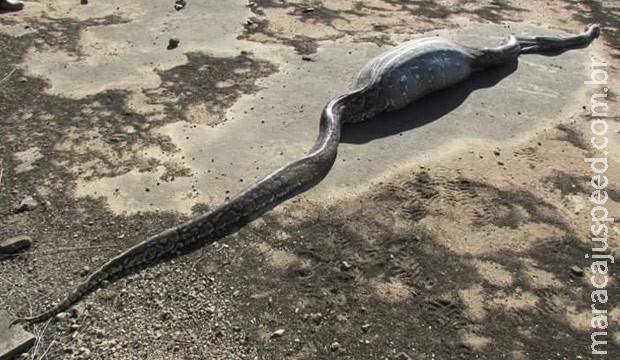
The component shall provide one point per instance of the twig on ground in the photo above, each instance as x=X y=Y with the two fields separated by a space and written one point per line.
x=39 y=341
x=47 y=350
x=8 y=75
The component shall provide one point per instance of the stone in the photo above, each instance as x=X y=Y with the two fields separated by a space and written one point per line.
x=173 y=43
x=179 y=4
x=278 y=333
x=118 y=138
x=576 y=271
x=15 y=244
x=11 y=5
x=85 y=270
x=27 y=204
x=61 y=316
x=14 y=340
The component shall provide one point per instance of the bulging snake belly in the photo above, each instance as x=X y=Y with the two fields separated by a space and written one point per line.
x=390 y=81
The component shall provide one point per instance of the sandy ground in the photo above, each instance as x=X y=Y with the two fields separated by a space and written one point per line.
x=465 y=254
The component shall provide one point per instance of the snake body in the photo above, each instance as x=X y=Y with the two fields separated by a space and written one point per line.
x=388 y=82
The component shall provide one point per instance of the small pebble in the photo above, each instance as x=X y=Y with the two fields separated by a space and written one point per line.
x=576 y=270
x=118 y=137
x=61 y=316
x=173 y=42
x=27 y=204
x=278 y=333
x=15 y=244
x=85 y=270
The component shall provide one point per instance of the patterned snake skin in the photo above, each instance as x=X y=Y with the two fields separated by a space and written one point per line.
x=390 y=81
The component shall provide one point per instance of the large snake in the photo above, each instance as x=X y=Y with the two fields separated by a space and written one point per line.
x=388 y=82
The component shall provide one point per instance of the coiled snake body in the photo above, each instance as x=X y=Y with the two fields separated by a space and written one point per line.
x=390 y=81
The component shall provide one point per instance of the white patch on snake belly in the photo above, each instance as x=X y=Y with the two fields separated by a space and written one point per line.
x=419 y=74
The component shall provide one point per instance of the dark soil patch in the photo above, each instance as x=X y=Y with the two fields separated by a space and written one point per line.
x=199 y=82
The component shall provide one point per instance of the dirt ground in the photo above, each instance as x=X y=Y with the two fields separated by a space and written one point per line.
x=467 y=256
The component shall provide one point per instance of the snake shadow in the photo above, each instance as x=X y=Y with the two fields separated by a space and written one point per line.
x=426 y=110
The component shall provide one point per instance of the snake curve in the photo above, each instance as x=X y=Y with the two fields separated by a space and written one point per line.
x=390 y=81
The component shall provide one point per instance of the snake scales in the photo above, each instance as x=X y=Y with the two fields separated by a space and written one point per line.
x=390 y=81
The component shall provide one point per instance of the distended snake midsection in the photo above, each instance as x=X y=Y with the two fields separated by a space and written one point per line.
x=388 y=82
